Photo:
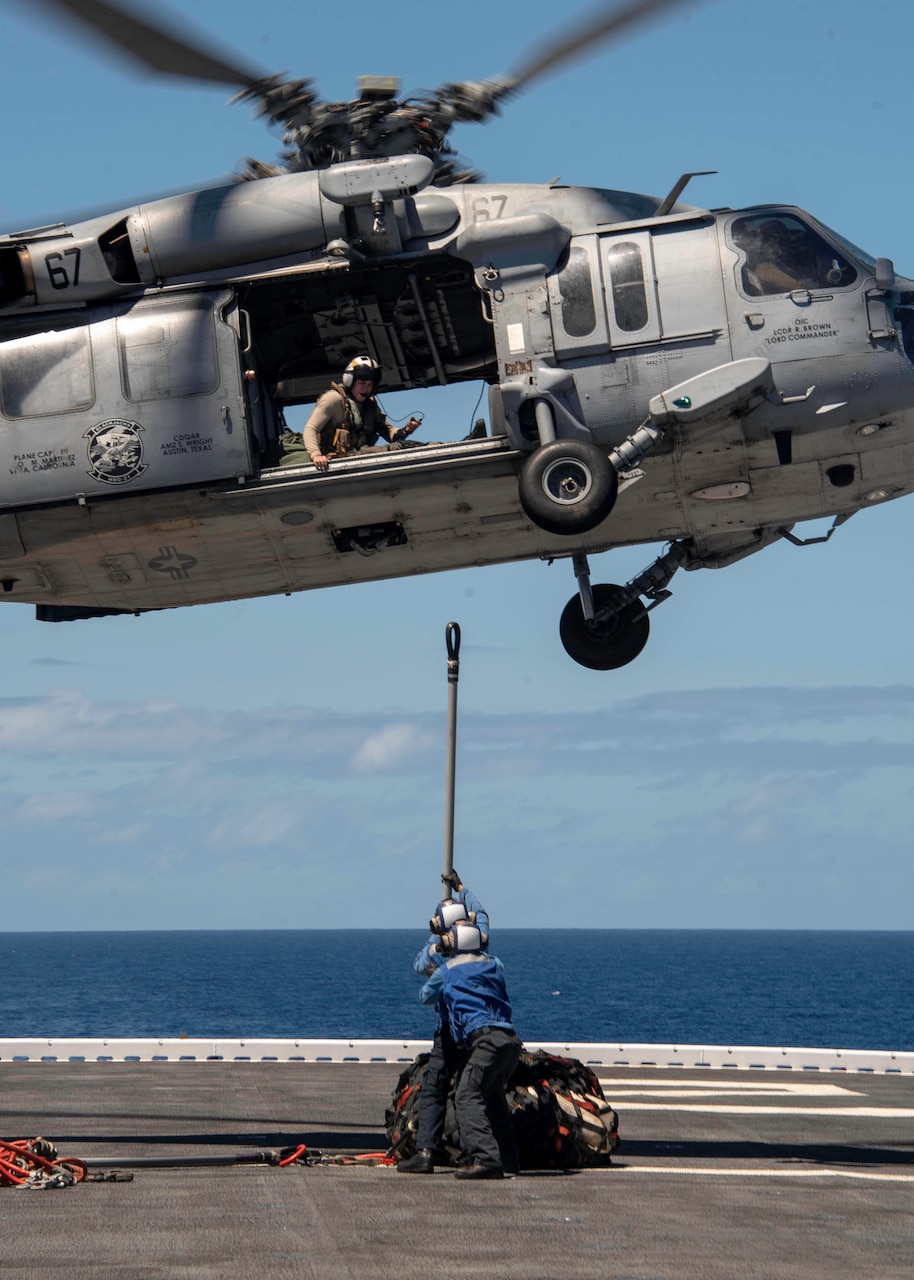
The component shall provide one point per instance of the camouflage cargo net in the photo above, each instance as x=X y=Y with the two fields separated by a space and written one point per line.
x=561 y=1118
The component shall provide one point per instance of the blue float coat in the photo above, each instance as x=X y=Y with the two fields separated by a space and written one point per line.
x=471 y=989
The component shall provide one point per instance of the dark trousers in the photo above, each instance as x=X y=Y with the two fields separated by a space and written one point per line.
x=444 y=1062
x=483 y=1115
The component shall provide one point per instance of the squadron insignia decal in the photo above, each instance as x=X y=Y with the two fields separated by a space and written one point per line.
x=115 y=450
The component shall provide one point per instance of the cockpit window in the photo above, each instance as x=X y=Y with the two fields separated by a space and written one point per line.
x=853 y=250
x=781 y=254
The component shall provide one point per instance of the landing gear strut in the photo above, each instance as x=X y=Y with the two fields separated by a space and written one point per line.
x=605 y=626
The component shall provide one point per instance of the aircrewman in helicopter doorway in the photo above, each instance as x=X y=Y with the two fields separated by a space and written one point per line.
x=348 y=419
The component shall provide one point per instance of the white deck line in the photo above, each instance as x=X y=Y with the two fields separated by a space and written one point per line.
x=711 y=1057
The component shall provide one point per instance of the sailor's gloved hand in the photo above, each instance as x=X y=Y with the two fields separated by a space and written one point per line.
x=451 y=880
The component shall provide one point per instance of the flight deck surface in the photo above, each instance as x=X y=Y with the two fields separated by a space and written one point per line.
x=722 y=1173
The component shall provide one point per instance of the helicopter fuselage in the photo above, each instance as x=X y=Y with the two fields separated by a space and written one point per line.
x=146 y=357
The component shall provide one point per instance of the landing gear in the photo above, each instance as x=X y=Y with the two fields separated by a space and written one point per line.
x=568 y=486
x=604 y=646
x=606 y=627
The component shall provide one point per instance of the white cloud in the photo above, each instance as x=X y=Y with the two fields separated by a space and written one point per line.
x=389 y=747
x=69 y=721
x=268 y=825
x=763 y=800
x=653 y=800
x=56 y=806
x=753 y=832
x=129 y=833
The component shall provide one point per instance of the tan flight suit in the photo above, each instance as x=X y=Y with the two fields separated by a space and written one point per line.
x=339 y=426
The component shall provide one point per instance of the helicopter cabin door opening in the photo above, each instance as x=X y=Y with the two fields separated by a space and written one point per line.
x=421 y=321
x=131 y=397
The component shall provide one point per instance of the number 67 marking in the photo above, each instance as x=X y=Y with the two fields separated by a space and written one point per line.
x=57 y=272
x=486 y=208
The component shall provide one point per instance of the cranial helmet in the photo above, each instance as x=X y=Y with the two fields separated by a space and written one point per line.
x=362 y=367
x=463 y=937
x=447 y=914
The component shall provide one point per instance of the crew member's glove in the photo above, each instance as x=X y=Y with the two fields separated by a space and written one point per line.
x=451 y=880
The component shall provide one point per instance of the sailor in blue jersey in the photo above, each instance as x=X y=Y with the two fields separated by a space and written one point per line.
x=446 y=1057
x=470 y=987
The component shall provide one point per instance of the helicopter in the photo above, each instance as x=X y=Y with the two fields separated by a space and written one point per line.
x=656 y=371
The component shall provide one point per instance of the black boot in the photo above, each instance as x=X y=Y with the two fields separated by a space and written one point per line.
x=421 y=1162
x=480 y=1171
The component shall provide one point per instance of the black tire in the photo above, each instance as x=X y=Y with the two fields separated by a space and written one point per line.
x=604 y=648
x=568 y=486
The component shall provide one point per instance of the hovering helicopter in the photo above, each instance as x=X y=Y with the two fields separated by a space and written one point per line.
x=657 y=372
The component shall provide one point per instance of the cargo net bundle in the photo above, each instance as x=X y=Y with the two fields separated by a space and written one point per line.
x=561 y=1118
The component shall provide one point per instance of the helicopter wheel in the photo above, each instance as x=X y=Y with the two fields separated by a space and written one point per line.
x=568 y=486
x=606 y=646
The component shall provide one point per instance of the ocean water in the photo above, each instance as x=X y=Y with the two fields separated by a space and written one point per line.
x=793 y=988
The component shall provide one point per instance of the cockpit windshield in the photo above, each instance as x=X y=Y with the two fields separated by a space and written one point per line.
x=781 y=253
x=853 y=249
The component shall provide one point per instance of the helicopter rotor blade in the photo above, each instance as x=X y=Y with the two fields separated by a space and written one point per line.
x=159 y=47
x=601 y=26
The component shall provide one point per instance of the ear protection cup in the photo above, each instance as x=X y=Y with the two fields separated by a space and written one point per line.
x=446 y=914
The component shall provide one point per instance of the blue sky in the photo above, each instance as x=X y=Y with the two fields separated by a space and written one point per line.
x=281 y=762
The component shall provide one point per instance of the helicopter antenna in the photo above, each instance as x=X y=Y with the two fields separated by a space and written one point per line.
x=677 y=189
